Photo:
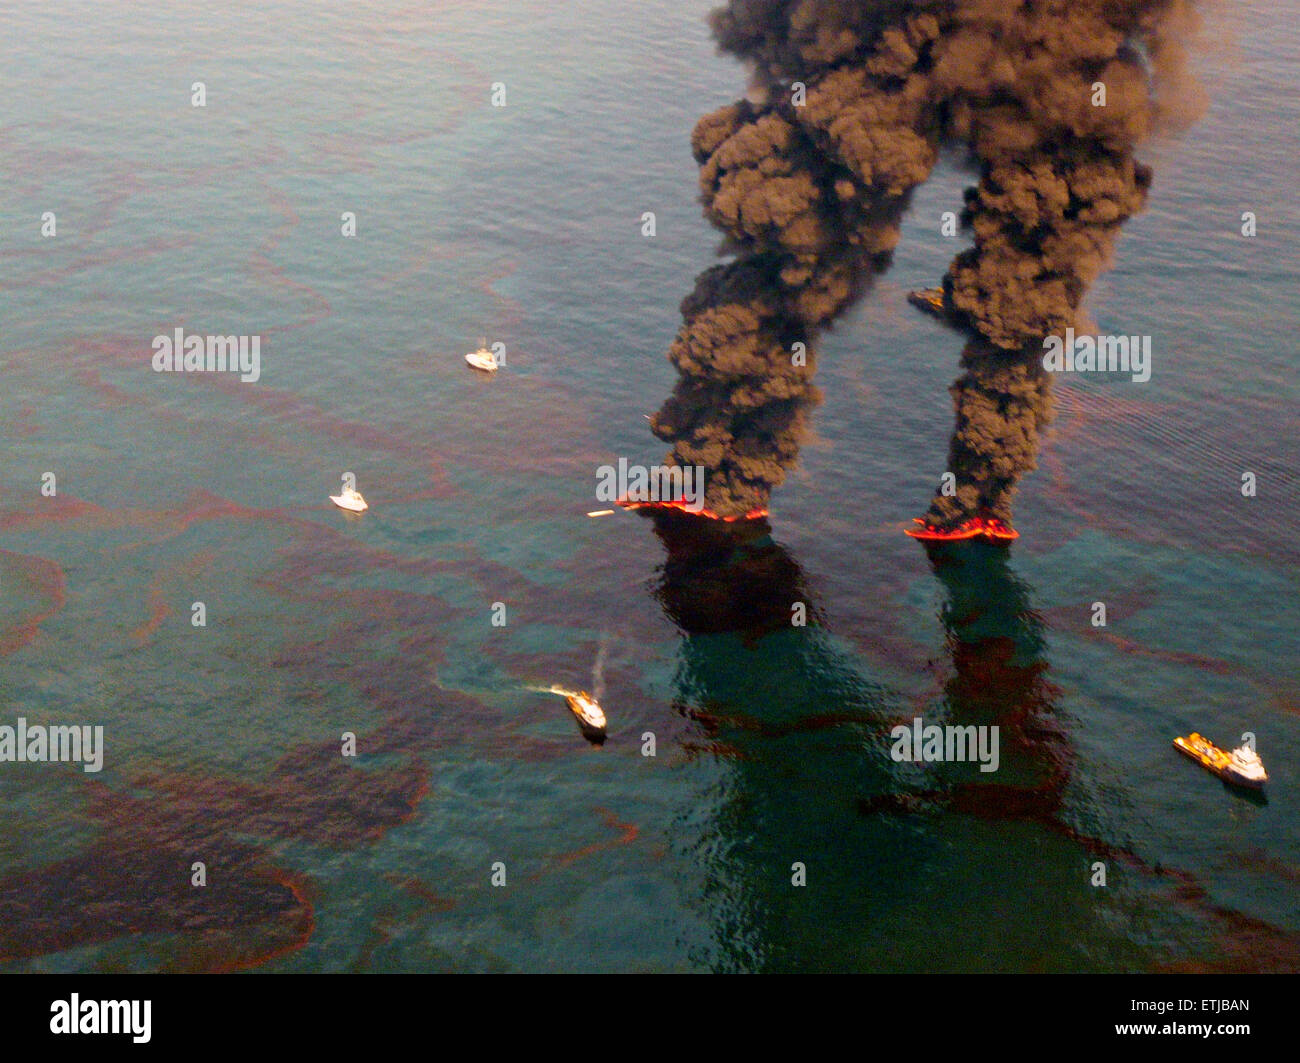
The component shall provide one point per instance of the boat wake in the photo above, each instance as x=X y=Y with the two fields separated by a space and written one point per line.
x=563 y=692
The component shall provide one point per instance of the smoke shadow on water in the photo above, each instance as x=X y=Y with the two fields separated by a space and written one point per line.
x=905 y=866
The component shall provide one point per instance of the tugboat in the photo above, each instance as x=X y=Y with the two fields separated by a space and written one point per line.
x=936 y=303
x=590 y=716
x=350 y=499
x=930 y=300
x=483 y=358
x=1241 y=767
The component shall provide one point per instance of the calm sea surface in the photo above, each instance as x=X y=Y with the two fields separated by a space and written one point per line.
x=523 y=224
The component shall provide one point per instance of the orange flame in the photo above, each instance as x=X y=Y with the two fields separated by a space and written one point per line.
x=989 y=529
x=680 y=505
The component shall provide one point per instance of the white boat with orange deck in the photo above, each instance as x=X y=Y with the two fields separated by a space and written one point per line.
x=1241 y=767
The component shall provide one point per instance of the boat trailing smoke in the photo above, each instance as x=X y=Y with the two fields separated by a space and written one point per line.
x=809 y=176
x=598 y=669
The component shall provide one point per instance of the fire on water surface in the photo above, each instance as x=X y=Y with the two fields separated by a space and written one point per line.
x=990 y=529
x=680 y=506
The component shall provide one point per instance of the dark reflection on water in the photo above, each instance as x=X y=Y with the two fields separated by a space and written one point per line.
x=789 y=711
x=909 y=866
x=999 y=678
x=720 y=577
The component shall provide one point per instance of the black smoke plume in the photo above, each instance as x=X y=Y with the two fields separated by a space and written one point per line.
x=851 y=103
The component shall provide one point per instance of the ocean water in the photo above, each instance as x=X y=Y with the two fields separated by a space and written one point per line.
x=522 y=224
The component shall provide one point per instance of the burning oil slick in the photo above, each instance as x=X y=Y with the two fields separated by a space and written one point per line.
x=808 y=178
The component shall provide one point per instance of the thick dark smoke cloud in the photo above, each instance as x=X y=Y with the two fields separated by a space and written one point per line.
x=809 y=198
x=1003 y=402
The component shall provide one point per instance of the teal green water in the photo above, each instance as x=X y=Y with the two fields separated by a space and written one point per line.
x=523 y=224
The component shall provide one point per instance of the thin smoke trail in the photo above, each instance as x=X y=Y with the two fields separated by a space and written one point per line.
x=598 y=671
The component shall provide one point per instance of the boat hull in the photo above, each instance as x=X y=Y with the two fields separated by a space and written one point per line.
x=1217 y=764
x=345 y=504
x=932 y=301
x=592 y=730
x=929 y=301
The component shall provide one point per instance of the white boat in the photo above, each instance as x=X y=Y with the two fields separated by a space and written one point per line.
x=591 y=717
x=351 y=500
x=1247 y=768
x=483 y=359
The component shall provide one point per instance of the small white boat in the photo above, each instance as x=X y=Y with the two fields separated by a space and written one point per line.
x=351 y=500
x=591 y=717
x=483 y=359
